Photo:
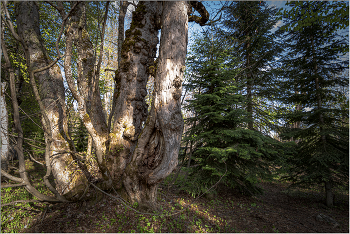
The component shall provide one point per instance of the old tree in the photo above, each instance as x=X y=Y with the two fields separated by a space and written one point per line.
x=136 y=146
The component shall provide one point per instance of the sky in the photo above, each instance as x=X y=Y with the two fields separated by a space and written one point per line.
x=213 y=6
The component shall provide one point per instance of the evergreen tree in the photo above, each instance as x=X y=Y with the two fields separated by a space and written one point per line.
x=223 y=148
x=312 y=71
x=80 y=136
x=248 y=26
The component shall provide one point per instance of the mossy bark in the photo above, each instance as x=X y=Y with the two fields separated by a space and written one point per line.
x=137 y=54
x=156 y=153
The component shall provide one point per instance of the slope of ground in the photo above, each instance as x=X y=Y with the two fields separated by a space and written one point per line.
x=275 y=211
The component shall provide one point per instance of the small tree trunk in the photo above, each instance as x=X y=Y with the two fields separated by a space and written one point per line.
x=189 y=161
x=4 y=129
x=91 y=164
x=122 y=11
x=329 y=193
x=328 y=184
x=249 y=90
x=87 y=92
x=70 y=182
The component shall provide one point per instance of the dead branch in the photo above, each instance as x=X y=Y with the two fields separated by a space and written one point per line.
x=13 y=185
x=8 y=176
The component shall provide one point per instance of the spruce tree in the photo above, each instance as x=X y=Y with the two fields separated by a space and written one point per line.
x=248 y=26
x=312 y=72
x=224 y=149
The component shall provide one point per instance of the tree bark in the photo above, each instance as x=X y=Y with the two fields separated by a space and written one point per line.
x=70 y=182
x=138 y=53
x=89 y=146
x=87 y=92
x=121 y=18
x=4 y=129
x=138 y=154
x=329 y=193
x=156 y=154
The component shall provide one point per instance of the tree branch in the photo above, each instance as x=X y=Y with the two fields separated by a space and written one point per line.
x=59 y=7
x=33 y=159
x=64 y=22
x=9 y=23
x=7 y=175
x=18 y=128
x=201 y=10
x=97 y=73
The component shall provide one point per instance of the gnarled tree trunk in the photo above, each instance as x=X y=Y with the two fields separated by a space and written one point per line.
x=156 y=153
x=138 y=53
x=136 y=154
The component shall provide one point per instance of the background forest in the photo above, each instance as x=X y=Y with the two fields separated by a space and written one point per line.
x=264 y=99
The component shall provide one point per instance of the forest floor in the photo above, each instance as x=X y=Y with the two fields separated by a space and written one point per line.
x=277 y=210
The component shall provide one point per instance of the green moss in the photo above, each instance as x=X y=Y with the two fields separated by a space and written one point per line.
x=152 y=71
x=60 y=136
x=116 y=149
x=137 y=33
x=133 y=35
x=86 y=118
x=137 y=16
x=126 y=66
x=79 y=182
x=141 y=8
x=126 y=45
x=128 y=33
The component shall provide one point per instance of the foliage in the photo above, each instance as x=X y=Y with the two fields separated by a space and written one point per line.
x=312 y=75
x=17 y=217
x=335 y=14
x=29 y=110
x=80 y=136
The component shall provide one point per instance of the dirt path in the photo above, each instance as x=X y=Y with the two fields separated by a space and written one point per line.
x=293 y=213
